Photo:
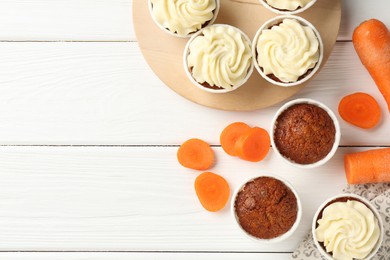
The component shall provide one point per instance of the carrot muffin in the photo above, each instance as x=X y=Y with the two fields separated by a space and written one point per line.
x=304 y=133
x=347 y=229
x=266 y=208
x=286 y=52
x=220 y=57
x=287 y=5
x=183 y=17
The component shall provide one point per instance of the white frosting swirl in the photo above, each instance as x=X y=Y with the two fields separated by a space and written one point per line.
x=220 y=56
x=348 y=230
x=288 y=50
x=289 y=5
x=183 y=16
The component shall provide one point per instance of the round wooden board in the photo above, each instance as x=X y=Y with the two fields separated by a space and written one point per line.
x=164 y=52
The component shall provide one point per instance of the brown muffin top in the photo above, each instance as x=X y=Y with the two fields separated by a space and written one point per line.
x=266 y=208
x=304 y=133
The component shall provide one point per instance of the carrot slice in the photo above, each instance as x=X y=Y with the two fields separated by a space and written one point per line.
x=230 y=135
x=195 y=154
x=372 y=166
x=371 y=40
x=254 y=145
x=360 y=109
x=212 y=190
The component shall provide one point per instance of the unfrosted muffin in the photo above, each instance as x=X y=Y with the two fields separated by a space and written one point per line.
x=266 y=208
x=183 y=17
x=219 y=58
x=304 y=133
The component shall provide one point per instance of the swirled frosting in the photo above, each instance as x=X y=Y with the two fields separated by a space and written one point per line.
x=287 y=50
x=220 y=56
x=348 y=230
x=290 y=5
x=183 y=16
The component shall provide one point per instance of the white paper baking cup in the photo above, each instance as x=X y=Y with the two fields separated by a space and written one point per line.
x=209 y=23
x=189 y=74
x=367 y=203
x=277 y=20
x=332 y=116
x=297 y=11
x=276 y=239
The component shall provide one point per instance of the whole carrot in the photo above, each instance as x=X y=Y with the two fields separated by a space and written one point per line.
x=371 y=40
x=371 y=166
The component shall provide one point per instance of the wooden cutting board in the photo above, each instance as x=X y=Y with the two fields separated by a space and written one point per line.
x=164 y=53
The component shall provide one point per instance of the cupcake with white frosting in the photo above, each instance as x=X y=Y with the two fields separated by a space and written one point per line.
x=182 y=18
x=288 y=50
x=347 y=227
x=287 y=6
x=218 y=59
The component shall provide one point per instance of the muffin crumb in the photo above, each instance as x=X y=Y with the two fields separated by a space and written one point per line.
x=266 y=208
x=304 y=133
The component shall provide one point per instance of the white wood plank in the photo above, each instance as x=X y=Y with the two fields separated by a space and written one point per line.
x=70 y=20
x=104 y=93
x=135 y=199
x=354 y=12
x=144 y=256
x=357 y=11
x=111 y=20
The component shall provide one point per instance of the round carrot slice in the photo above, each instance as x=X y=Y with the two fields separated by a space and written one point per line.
x=230 y=135
x=254 y=145
x=195 y=154
x=212 y=190
x=360 y=109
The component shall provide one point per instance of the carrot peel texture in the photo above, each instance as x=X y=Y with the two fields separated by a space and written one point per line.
x=371 y=40
x=372 y=166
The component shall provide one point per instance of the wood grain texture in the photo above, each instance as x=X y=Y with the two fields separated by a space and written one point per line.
x=144 y=256
x=125 y=199
x=104 y=93
x=166 y=54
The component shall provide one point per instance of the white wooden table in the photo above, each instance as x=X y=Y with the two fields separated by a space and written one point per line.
x=89 y=135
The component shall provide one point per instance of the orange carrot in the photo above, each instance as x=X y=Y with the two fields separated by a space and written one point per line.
x=254 y=145
x=230 y=135
x=212 y=190
x=372 y=43
x=368 y=167
x=360 y=109
x=195 y=154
